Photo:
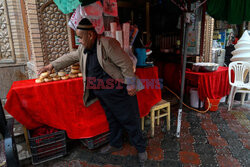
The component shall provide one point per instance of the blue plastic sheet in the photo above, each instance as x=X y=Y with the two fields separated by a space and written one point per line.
x=67 y=6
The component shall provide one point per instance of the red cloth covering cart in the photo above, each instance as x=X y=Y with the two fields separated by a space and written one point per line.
x=213 y=85
x=59 y=104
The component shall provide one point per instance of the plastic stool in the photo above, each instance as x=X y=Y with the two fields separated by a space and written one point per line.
x=162 y=109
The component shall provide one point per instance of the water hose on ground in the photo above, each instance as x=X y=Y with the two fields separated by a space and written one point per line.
x=191 y=108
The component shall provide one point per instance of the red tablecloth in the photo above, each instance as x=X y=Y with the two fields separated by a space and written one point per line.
x=59 y=104
x=213 y=85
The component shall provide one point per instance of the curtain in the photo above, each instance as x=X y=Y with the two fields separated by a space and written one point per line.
x=233 y=11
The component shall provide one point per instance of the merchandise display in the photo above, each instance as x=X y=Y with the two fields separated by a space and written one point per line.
x=118 y=37
x=44 y=75
x=48 y=79
x=65 y=77
x=63 y=107
x=113 y=28
x=126 y=31
x=39 y=80
x=56 y=78
x=71 y=75
x=53 y=75
x=61 y=75
x=242 y=48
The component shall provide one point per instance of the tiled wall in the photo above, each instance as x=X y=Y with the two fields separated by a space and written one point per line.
x=13 y=53
x=12 y=34
x=17 y=30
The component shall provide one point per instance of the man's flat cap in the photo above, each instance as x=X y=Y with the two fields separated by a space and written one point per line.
x=85 y=24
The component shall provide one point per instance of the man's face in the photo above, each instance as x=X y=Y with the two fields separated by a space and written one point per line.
x=84 y=38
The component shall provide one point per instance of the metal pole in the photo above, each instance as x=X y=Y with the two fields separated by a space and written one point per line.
x=187 y=20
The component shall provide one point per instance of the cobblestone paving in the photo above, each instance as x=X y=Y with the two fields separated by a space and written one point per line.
x=2 y=155
x=213 y=139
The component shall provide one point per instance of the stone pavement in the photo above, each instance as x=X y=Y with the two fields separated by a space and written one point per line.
x=213 y=139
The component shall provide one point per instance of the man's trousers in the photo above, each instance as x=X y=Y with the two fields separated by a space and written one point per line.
x=122 y=113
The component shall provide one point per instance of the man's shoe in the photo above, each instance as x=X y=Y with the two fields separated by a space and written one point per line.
x=142 y=164
x=142 y=157
x=109 y=149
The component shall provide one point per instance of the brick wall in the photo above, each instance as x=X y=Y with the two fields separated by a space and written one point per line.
x=36 y=58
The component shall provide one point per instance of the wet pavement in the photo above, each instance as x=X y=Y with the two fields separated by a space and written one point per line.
x=213 y=139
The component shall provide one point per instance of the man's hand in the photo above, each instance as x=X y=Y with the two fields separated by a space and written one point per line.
x=45 y=68
x=131 y=90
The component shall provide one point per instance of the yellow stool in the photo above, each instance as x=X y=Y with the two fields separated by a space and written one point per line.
x=163 y=109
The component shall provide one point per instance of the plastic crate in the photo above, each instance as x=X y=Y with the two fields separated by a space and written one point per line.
x=46 y=139
x=47 y=156
x=47 y=147
x=96 y=141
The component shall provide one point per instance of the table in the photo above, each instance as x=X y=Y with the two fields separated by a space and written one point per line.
x=213 y=85
x=59 y=104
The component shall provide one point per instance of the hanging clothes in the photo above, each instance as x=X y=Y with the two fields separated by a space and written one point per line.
x=93 y=12
x=67 y=6
x=110 y=8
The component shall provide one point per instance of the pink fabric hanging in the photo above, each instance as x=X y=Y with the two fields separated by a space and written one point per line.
x=110 y=8
x=94 y=12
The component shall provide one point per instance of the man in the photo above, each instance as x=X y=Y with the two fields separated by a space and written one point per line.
x=102 y=60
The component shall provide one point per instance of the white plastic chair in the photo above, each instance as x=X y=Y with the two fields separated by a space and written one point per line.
x=241 y=84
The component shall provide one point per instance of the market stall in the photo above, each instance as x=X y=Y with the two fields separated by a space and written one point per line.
x=59 y=104
x=213 y=85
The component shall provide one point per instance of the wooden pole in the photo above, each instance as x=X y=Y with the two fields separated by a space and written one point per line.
x=147 y=21
x=202 y=30
x=26 y=27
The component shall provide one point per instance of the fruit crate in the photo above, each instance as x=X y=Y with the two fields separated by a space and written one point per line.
x=47 y=147
x=96 y=141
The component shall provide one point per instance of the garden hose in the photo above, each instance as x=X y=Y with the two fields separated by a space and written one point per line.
x=208 y=101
